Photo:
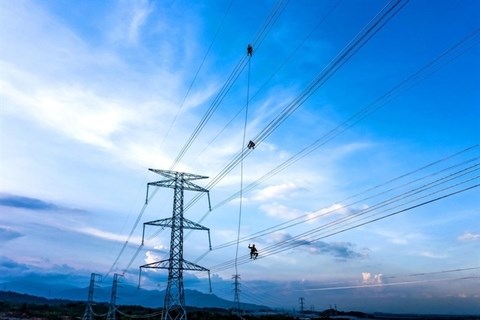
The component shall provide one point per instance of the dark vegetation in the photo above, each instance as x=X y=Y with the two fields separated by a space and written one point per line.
x=16 y=306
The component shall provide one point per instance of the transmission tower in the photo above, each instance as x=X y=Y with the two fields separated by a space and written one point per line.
x=174 y=304
x=113 y=299
x=236 y=293
x=88 y=314
x=302 y=304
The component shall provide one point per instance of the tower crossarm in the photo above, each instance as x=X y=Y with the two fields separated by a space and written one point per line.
x=174 y=174
x=167 y=222
x=189 y=224
x=185 y=265
x=162 y=183
x=163 y=264
x=186 y=185
x=177 y=180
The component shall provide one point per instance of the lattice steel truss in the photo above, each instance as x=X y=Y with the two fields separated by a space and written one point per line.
x=174 y=304
x=88 y=314
x=112 y=309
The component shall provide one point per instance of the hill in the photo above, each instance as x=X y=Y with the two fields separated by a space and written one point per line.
x=15 y=306
x=129 y=296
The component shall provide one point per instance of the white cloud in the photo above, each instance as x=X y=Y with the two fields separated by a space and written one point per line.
x=400 y=238
x=280 y=191
x=41 y=72
x=335 y=208
x=7 y=234
x=468 y=236
x=139 y=15
x=280 y=211
x=42 y=80
x=347 y=149
x=42 y=44
x=127 y=21
x=368 y=278
x=106 y=235
x=72 y=111
x=432 y=255
x=151 y=257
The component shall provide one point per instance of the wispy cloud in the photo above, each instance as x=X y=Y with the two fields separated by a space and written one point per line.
x=128 y=20
x=394 y=236
x=16 y=201
x=339 y=250
x=283 y=190
x=469 y=236
x=369 y=278
x=139 y=15
x=9 y=265
x=101 y=234
x=280 y=211
x=7 y=234
x=433 y=255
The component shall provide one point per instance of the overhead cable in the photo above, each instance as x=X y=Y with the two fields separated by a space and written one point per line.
x=277 y=10
x=398 y=204
x=444 y=58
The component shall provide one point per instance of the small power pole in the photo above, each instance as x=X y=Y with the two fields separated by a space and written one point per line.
x=236 y=294
x=174 y=304
x=113 y=299
x=88 y=314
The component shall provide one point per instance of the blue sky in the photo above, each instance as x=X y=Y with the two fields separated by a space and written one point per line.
x=94 y=93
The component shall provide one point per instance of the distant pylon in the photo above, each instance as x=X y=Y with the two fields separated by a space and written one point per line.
x=302 y=304
x=88 y=314
x=174 y=303
x=113 y=299
x=236 y=294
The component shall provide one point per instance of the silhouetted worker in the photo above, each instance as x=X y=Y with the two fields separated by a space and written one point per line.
x=251 y=145
x=253 y=251
x=249 y=50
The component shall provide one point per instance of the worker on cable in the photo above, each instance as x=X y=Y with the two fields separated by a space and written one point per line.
x=251 y=145
x=253 y=251
x=249 y=50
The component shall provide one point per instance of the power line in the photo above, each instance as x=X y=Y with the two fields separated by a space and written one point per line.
x=447 y=56
x=431 y=273
x=348 y=223
x=139 y=216
x=294 y=242
x=241 y=164
x=444 y=58
x=337 y=227
x=375 y=285
x=311 y=216
x=474 y=34
x=284 y=62
x=398 y=276
x=277 y=10
x=362 y=38
x=198 y=71
x=382 y=17
x=320 y=213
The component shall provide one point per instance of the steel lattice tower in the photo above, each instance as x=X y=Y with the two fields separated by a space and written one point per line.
x=236 y=294
x=112 y=309
x=302 y=304
x=88 y=314
x=174 y=304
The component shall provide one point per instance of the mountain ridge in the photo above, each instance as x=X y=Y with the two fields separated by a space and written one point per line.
x=31 y=292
